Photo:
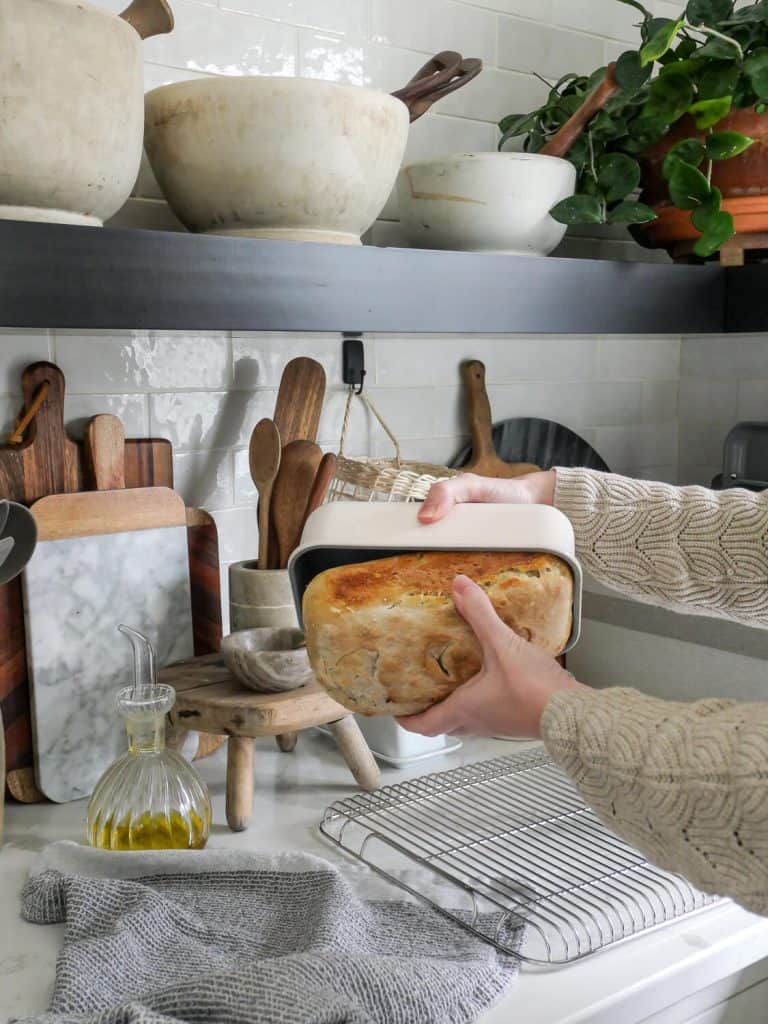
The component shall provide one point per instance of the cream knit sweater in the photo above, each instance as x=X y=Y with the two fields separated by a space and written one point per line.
x=687 y=784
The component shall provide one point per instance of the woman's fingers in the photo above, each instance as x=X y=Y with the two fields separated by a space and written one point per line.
x=443 y=496
x=475 y=607
x=440 y=718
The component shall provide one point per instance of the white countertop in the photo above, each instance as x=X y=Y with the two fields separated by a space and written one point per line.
x=627 y=984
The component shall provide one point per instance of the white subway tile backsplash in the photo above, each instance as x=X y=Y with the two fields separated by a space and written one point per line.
x=537 y=10
x=238 y=534
x=433 y=25
x=260 y=358
x=224 y=43
x=131 y=410
x=19 y=348
x=345 y=17
x=615 y=20
x=639 y=358
x=638 y=446
x=100 y=362
x=659 y=400
x=208 y=419
x=204 y=479
x=331 y=58
x=753 y=400
x=551 y=52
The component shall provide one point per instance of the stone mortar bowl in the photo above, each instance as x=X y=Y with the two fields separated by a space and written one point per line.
x=267 y=659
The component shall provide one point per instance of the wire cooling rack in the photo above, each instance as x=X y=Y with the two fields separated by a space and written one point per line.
x=506 y=843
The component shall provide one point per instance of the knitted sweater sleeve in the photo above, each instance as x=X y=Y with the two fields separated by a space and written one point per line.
x=684 y=548
x=687 y=784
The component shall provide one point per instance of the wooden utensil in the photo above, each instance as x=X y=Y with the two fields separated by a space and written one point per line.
x=47 y=461
x=564 y=138
x=264 y=456
x=149 y=17
x=484 y=460
x=548 y=444
x=298 y=469
x=323 y=478
x=441 y=75
x=300 y=400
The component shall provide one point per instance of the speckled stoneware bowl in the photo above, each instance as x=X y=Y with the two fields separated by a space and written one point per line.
x=267 y=659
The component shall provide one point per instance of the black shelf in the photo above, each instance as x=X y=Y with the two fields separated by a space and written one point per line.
x=54 y=275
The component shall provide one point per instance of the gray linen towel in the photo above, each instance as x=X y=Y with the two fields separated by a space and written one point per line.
x=235 y=937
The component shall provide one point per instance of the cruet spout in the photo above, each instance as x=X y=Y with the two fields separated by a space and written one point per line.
x=144 y=672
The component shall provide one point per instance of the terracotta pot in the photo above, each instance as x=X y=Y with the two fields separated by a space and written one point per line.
x=743 y=180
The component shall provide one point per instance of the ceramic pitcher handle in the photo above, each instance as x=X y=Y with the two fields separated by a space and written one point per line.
x=149 y=17
x=443 y=74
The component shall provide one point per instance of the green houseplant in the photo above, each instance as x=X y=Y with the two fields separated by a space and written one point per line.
x=679 y=90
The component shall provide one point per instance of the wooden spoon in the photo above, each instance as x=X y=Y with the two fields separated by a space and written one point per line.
x=264 y=460
x=298 y=470
x=323 y=478
x=564 y=138
x=105 y=449
x=484 y=459
x=149 y=17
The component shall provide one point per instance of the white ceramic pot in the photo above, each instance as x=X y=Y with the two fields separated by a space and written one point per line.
x=71 y=83
x=275 y=157
x=485 y=202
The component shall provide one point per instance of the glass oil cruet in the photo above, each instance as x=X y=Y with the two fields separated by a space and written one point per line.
x=150 y=798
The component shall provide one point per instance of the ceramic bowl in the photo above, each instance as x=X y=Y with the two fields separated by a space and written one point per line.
x=18 y=523
x=267 y=659
x=283 y=158
x=485 y=202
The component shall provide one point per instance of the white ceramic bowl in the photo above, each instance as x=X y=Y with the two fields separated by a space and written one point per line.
x=275 y=157
x=267 y=659
x=485 y=202
x=71 y=79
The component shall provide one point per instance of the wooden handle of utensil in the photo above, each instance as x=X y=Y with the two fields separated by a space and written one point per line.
x=105 y=452
x=149 y=17
x=323 y=478
x=479 y=419
x=441 y=75
x=562 y=140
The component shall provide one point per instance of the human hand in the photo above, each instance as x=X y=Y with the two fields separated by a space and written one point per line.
x=508 y=695
x=531 y=489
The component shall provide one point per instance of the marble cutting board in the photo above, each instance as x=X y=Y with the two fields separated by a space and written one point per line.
x=76 y=591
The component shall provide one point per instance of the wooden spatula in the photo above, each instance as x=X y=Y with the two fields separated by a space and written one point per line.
x=323 y=478
x=105 y=452
x=264 y=461
x=298 y=469
x=300 y=400
x=484 y=460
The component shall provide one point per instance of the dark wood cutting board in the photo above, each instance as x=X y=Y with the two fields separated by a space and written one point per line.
x=48 y=462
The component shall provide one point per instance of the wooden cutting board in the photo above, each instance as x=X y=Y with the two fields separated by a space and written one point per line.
x=484 y=459
x=48 y=462
x=102 y=558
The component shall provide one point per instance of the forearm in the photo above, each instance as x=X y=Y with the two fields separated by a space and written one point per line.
x=685 y=548
x=683 y=783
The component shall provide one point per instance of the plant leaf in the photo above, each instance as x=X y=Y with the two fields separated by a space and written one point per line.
x=689 y=151
x=617 y=175
x=645 y=132
x=708 y=112
x=708 y=12
x=578 y=210
x=661 y=40
x=630 y=212
x=718 y=49
x=724 y=145
x=717 y=80
x=630 y=73
x=688 y=188
x=702 y=215
x=669 y=97
x=756 y=68
x=719 y=230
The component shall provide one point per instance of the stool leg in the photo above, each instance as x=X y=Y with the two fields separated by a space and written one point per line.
x=239 y=782
x=287 y=741
x=356 y=753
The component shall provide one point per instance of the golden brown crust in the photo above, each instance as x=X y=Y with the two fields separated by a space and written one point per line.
x=385 y=638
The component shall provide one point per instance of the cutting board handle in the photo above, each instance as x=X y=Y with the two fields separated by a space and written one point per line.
x=479 y=419
x=56 y=462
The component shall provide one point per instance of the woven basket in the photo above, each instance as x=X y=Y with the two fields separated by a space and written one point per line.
x=397 y=479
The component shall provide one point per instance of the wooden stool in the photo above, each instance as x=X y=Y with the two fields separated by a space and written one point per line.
x=210 y=700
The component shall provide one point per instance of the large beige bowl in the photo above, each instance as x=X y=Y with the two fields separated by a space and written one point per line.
x=275 y=157
x=266 y=659
x=71 y=82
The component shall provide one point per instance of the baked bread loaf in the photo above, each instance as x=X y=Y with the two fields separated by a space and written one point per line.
x=384 y=637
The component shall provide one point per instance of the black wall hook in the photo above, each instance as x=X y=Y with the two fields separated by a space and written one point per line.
x=353 y=361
